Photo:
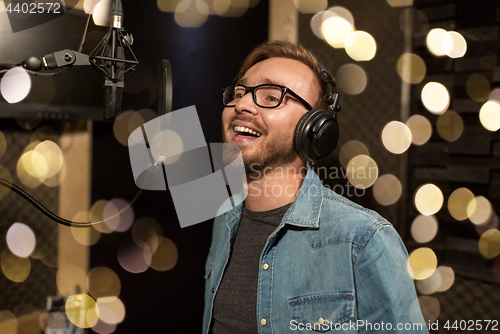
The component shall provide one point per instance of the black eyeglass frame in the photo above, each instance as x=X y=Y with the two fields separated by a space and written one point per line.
x=284 y=90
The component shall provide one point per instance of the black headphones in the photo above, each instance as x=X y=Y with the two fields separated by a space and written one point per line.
x=317 y=132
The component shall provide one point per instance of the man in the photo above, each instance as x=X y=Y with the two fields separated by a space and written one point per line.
x=295 y=255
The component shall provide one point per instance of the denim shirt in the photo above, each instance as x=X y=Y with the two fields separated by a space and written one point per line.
x=330 y=266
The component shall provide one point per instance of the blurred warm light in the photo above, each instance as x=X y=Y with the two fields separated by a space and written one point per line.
x=489 y=244
x=191 y=13
x=70 y=278
x=494 y=95
x=118 y=215
x=101 y=13
x=8 y=321
x=166 y=255
x=56 y=180
x=459 y=201
x=168 y=144
x=16 y=269
x=111 y=310
x=400 y=3
x=360 y=46
x=170 y=5
x=232 y=8
x=103 y=328
x=335 y=30
x=450 y=126
x=339 y=11
x=4 y=174
x=84 y=236
x=26 y=171
x=82 y=310
x=478 y=87
x=434 y=38
x=424 y=228
x=52 y=155
x=492 y=223
x=411 y=68
x=447 y=278
x=310 y=6
x=479 y=211
x=317 y=24
x=362 y=171
x=88 y=5
x=435 y=98
x=21 y=240
x=15 y=85
x=124 y=125
x=454 y=44
x=97 y=216
x=430 y=307
x=387 y=189
x=421 y=129
x=103 y=282
x=351 y=149
x=134 y=258
x=3 y=144
x=396 y=137
x=428 y=199
x=429 y=285
x=489 y=115
x=423 y=263
x=146 y=232
x=351 y=79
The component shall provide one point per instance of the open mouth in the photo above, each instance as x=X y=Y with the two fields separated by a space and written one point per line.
x=244 y=131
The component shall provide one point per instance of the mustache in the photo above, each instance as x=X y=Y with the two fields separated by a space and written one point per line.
x=247 y=119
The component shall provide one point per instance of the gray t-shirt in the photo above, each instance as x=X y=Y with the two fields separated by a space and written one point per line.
x=235 y=305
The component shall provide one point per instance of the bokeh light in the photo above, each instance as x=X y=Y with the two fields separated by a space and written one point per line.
x=168 y=5
x=479 y=211
x=447 y=278
x=101 y=13
x=15 y=85
x=84 y=236
x=351 y=79
x=387 y=189
x=134 y=258
x=103 y=282
x=317 y=25
x=111 y=310
x=123 y=126
x=433 y=41
x=4 y=174
x=70 y=279
x=52 y=155
x=15 y=268
x=362 y=171
x=8 y=321
x=360 y=46
x=335 y=30
x=97 y=216
x=428 y=199
x=396 y=137
x=166 y=255
x=459 y=202
x=424 y=228
x=351 y=149
x=430 y=308
x=116 y=219
x=3 y=144
x=82 y=310
x=489 y=243
x=146 y=232
x=421 y=129
x=191 y=13
x=450 y=126
x=411 y=68
x=435 y=98
x=478 y=87
x=400 y=3
x=454 y=44
x=494 y=95
x=103 y=328
x=21 y=240
x=26 y=171
x=429 y=285
x=310 y=6
x=168 y=144
x=489 y=115
x=423 y=263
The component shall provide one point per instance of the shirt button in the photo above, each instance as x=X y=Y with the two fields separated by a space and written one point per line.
x=265 y=266
x=213 y=290
x=263 y=321
x=321 y=320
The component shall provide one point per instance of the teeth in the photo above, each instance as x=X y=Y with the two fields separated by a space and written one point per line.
x=238 y=128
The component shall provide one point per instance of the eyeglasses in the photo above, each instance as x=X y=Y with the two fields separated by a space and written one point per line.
x=265 y=96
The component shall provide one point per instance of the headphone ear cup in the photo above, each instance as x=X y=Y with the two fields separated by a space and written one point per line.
x=316 y=135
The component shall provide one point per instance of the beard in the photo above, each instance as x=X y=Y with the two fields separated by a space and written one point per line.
x=271 y=153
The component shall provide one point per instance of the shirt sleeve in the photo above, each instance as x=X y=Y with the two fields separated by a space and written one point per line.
x=385 y=293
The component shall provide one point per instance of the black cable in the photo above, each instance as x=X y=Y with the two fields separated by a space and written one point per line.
x=54 y=217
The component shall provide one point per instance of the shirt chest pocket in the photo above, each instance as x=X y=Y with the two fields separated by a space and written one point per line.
x=321 y=312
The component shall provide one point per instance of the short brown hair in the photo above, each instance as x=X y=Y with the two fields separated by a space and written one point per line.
x=288 y=50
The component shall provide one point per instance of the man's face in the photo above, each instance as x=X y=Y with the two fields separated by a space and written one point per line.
x=274 y=147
